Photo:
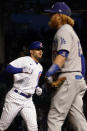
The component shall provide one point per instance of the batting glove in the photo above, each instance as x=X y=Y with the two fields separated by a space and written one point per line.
x=38 y=91
x=27 y=70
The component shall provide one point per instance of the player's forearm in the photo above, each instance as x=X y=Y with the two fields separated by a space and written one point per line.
x=59 y=60
x=56 y=66
x=13 y=70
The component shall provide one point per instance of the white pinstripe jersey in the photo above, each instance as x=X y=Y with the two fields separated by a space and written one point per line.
x=66 y=38
x=23 y=81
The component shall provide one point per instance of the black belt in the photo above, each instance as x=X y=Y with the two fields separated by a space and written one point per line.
x=22 y=94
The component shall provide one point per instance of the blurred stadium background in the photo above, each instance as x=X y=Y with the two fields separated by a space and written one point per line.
x=22 y=22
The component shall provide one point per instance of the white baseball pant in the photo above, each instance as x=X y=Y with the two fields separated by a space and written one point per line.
x=68 y=101
x=11 y=109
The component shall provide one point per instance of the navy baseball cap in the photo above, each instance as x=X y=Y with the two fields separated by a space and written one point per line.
x=36 y=45
x=61 y=8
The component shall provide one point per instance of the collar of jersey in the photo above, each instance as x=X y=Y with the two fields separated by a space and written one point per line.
x=34 y=60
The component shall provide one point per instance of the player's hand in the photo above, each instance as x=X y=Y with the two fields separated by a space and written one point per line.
x=27 y=70
x=38 y=91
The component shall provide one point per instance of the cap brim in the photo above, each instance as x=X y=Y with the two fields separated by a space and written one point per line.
x=54 y=11
x=49 y=11
x=36 y=49
x=39 y=48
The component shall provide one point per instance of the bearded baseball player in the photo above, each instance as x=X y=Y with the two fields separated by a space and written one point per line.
x=68 y=59
x=26 y=71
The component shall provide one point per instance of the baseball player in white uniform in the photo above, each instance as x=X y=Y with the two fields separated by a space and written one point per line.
x=27 y=71
x=69 y=60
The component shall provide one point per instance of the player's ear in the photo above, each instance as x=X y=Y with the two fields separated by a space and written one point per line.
x=31 y=51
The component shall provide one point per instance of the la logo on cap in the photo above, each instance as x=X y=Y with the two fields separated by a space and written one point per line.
x=41 y=45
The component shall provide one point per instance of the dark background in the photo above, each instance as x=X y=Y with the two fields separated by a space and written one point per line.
x=22 y=22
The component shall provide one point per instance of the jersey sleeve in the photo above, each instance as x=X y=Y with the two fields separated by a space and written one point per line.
x=64 y=40
x=19 y=62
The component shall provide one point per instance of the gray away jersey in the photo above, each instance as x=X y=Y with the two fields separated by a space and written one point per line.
x=66 y=39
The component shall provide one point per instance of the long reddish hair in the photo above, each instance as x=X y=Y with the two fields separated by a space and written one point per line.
x=60 y=19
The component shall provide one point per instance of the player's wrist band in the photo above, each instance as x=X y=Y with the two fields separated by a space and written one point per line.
x=63 y=53
x=54 y=68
